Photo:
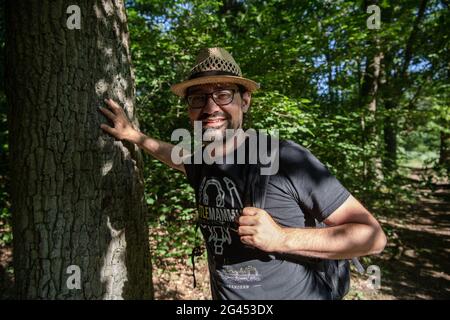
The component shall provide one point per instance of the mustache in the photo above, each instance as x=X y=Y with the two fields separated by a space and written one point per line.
x=213 y=116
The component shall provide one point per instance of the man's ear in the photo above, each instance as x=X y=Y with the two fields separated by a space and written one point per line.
x=246 y=99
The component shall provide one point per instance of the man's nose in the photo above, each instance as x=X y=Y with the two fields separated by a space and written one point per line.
x=211 y=106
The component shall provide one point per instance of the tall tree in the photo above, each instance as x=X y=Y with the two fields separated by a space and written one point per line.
x=395 y=86
x=77 y=194
x=444 y=134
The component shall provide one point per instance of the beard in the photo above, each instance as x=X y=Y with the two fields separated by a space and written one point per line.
x=214 y=127
x=214 y=134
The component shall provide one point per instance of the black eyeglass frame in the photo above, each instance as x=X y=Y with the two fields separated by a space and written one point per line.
x=207 y=95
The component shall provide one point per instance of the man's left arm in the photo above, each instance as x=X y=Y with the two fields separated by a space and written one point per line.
x=351 y=231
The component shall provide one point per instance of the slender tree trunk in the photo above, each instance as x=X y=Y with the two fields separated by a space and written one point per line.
x=390 y=138
x=444 y=154
x=394 y=94
x=369 y=96
x=372 y=160
x=444 y=148
x=77 y=194
x=331 y=97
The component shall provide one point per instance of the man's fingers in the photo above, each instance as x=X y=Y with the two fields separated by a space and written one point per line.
x=246 y=231
x=108 y=129
x=114 y=107
x=247 y=221
x=249 y=211
x=248 y=240
x=108 y=113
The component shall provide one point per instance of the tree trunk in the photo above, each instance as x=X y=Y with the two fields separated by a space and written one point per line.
x=444 y=147
x=77 y=194
x=369 y=96
x=390 y=139
x=444 y=154
x=393 y=95
x=369 y=99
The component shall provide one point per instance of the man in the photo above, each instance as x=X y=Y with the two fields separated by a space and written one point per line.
x=247 y=246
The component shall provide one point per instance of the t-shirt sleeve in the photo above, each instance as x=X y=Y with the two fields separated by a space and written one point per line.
x=315 y=188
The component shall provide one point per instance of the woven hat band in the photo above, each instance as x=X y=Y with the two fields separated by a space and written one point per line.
x=211 y=73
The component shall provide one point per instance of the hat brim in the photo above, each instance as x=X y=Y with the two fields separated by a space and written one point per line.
x=180 y=88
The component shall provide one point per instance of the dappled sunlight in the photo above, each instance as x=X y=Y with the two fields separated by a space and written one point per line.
x=113 y=271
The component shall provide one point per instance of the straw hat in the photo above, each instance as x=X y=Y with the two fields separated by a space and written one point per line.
x=214 y=65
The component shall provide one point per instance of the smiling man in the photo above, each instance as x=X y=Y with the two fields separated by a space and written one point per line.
x=273 y=251
x=214 y=119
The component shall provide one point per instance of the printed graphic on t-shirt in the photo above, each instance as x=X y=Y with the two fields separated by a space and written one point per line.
x=219 y=206
x=241 y=275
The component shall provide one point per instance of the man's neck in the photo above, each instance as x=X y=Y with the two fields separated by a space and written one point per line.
x=232 y=141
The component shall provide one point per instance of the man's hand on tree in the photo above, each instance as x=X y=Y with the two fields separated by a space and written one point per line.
x=123 y=129
x=259 y=230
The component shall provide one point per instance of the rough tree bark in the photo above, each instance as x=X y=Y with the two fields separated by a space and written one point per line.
x=77 y=194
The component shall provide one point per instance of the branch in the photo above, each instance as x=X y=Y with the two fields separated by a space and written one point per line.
x=412 y=38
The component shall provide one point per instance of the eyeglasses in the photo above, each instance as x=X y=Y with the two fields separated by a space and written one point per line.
x=221 y=97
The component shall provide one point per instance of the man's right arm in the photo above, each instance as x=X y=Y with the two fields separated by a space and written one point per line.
x=123 y=130
x=159 y=149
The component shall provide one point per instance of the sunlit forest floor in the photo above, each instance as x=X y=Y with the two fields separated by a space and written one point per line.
x=414 y=265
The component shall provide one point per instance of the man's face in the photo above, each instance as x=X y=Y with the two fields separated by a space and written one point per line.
x=216 y=117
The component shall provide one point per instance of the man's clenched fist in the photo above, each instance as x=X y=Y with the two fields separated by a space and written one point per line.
x=258 y=229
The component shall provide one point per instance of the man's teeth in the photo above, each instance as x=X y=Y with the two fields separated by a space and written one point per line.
x=215 y=120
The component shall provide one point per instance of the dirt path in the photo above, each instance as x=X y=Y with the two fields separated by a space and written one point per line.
x=415 y=264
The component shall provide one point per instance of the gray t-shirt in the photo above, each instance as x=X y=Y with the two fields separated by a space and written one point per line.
x=302 y=192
